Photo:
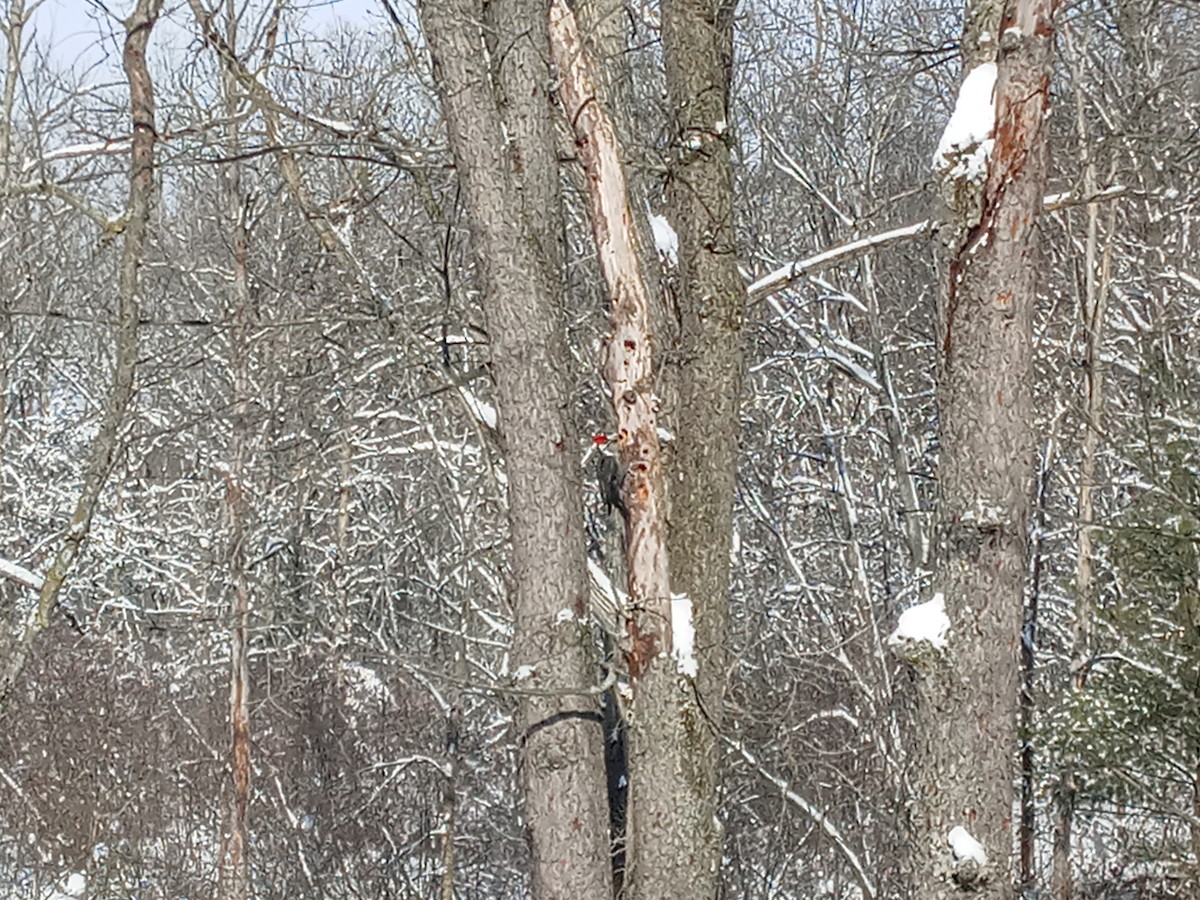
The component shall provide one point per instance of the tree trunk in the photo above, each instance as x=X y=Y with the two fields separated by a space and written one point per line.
x=673 y=843
x=706 y=385
x=965 y=721
x=235 y=863
x=109 y=443
x=1027 y=839
x=562 y=766
x=1092 y=304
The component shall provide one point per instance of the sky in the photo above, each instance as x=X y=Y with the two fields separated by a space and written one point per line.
x=86 y=34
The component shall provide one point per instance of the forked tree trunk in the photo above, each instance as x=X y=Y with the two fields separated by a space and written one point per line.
x=965 y=723
x=703 y=335
x=504 y=184
x=673 y=846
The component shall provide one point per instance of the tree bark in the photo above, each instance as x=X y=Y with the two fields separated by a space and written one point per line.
x=1027 y=839
x=671 y=835
x=698 y=51
x=706 y=384
x=965 y=721
x=562 y=765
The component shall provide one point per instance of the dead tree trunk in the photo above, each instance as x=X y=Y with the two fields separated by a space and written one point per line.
x=670 y=824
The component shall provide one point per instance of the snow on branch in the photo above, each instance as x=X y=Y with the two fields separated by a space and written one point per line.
x=111 y=147
x=21 y=575
x=966 y=143
x=924 y=623
x=970 y=859
x=786 y=276
x=608 y=603
x=839 y=360
x=792 y=272
x=110 y=224
x=965 y=847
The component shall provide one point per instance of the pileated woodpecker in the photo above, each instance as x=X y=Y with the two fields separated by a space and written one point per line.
x=611 y=479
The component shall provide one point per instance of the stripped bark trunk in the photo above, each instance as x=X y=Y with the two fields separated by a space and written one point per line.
x=670 y=822
x=235 y=864
x=109 y=440
x=562 y=763
x=965 y=721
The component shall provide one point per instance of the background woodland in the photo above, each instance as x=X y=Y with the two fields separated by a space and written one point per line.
x=307 y=492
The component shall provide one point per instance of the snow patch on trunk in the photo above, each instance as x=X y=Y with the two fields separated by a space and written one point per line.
x=683 y=635
x=926 y=622
x=966 y=144
x=964 y=846
x=666 y=241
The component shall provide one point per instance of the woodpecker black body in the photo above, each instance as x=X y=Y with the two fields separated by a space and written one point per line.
x=611 y=478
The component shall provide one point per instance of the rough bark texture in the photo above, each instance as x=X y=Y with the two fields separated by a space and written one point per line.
x=706 y=381
x=563 y=769
x=516 y=31
x=698 y=52
x=1027 y=839
x=673 y=845
x=965 y=737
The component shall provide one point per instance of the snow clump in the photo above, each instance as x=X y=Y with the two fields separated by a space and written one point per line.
x=666 y=241
x=924 y=622
x=964 y=846
x=683 y=635
x=966 y=144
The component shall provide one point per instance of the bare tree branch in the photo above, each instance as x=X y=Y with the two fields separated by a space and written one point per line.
x=785 y=276
x=108 y=444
